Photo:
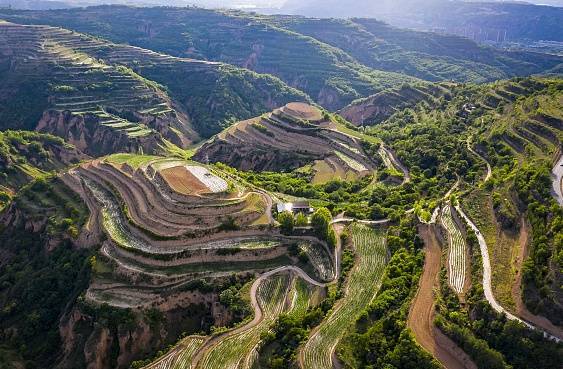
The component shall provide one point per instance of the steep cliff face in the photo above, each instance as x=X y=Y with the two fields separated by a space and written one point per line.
x=88 y=134
x=102 y=337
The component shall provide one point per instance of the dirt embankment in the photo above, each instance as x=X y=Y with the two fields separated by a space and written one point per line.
x=521 y=310
x=421 y=316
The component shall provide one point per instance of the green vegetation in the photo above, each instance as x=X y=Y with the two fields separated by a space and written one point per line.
x=36 y=286
x=540 y=288
x=379 y=338
x=362 y=284
x=349 y=58
x=287 y=222
x=489 y=338
x=320 y=220
x=25 y=156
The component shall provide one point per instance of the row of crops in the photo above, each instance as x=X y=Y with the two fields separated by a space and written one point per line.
x=355 y=165
x=457 y=252
x=181 y=356
x=239 y=350
x=363 y=284
x=320 y=259
x=280 y=293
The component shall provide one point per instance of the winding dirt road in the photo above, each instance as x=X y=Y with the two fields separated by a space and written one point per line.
x=396 y=163
x=489 y=170
x=258 y=313
x=487 y=284
x=421 y=315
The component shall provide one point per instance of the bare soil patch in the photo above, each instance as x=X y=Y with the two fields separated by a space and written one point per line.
x=302 y=111
x=421 y=316
x=183 y=181
x=521 y=309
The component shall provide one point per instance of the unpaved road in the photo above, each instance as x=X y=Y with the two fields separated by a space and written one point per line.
x=397 y=164
x=557 y=176
x=489 y=170
x=258 y=314
x=421 y=315
x=487 y=285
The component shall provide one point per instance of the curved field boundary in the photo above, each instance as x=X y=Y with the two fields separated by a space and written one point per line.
x=489 y=170
x=181 y=355
x=393 y=163
x=235 y=349
x=457 y=251
x=487 y=285
x=421 y=315
x=363 y=284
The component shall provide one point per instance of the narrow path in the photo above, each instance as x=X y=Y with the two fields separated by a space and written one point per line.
x=421 y=315
x=487 y=285
x=396 y=163
x=557 y=175
x=489 y=170
x=258 y=313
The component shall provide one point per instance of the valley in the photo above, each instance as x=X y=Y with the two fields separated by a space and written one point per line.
x=183 y=188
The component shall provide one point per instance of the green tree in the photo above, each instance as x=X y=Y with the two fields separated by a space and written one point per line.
x=301 y=220
x=287 y=221
x=321 y=221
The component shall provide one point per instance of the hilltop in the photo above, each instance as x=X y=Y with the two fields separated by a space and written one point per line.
x=290 y=137
x=332 y=61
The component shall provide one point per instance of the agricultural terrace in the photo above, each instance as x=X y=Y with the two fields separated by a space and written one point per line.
x=180 y=356
x=79 y=77
x=168 y=239
x=288 y=138
x=363 y=282
x=457 y=254
x=275 y=295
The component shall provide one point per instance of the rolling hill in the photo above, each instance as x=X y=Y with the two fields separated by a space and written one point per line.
x=333 y=61
x=105 y=97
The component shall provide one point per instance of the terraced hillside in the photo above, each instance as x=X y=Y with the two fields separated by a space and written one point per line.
x=425 y=55
x=276 y=293
x=327 y=74
x=288 y=138
x=170 y=221
x=86 y=91
x=363 y=283
x=333 y=61
x=379 y=107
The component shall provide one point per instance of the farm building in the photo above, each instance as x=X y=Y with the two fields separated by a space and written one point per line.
x=295 y=207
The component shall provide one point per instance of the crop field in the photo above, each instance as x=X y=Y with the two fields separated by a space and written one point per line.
x=210 y=180
x=182 y=180
x=235 y=351
x=457 y=252
x=113 y=220
x=135 y=161
x=363 y=284
x=319 y=259
x=180 y=357
x=351 y=162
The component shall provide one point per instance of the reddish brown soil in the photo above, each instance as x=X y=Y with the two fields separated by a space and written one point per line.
x=421 y=316
x=182 y=181
x=521 y=309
